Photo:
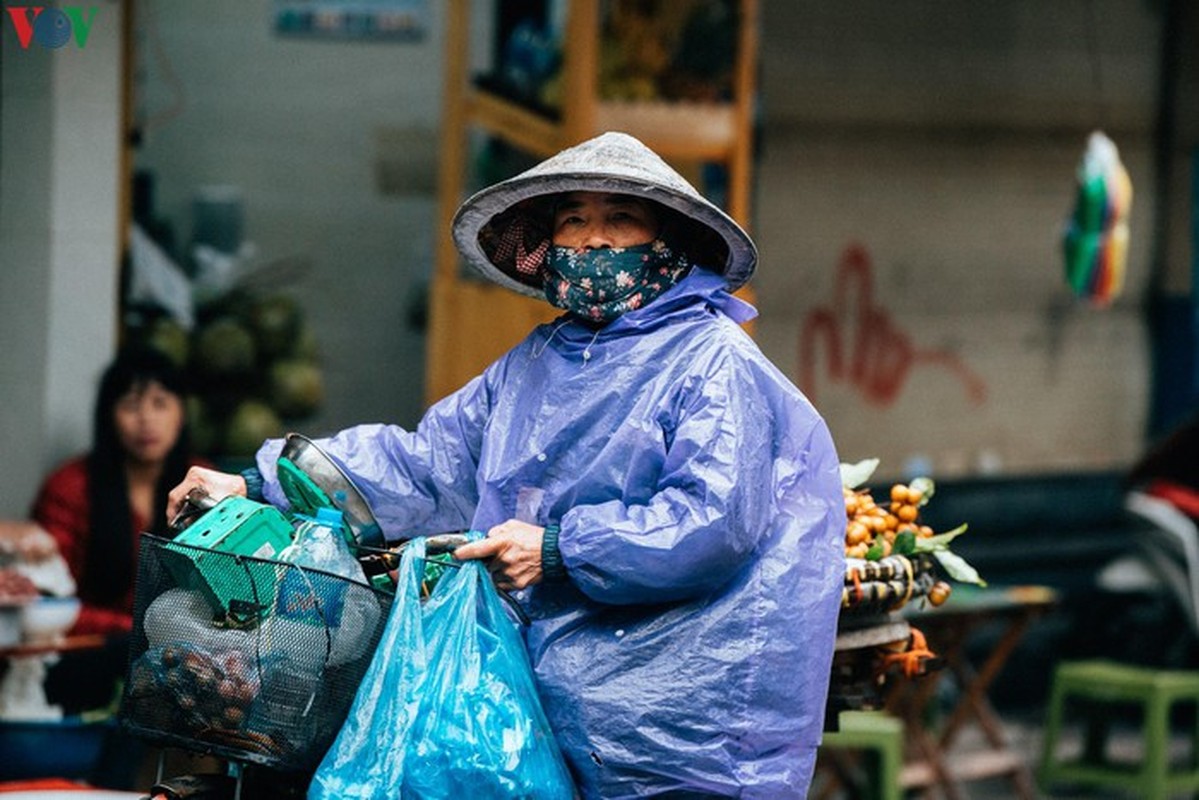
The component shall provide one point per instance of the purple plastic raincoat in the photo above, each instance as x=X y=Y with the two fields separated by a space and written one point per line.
x=702 y=527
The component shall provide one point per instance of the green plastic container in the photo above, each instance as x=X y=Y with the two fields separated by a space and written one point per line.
x=206 y=555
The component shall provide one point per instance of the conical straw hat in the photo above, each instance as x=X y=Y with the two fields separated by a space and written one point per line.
x=611 y=162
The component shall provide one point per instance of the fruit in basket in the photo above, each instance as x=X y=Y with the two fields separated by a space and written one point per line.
x=939 y=592
x=874 y=531
x=188 y=689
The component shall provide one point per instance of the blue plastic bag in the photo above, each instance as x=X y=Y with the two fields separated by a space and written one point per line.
x=448 y=707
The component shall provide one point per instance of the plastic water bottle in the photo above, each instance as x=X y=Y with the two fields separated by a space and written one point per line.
x=318 y=545
x=320 y=620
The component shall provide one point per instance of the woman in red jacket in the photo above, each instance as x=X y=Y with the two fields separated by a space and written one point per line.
x=96 y=505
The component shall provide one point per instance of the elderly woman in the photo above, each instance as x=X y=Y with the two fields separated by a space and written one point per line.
x=665 y=503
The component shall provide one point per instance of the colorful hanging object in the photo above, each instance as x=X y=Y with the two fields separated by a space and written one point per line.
x=1096 y=238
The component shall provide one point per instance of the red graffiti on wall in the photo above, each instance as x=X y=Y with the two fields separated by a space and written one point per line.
x=882 y=355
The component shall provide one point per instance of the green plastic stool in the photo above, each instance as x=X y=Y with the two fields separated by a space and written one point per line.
x=1103 y=683
x=878 y=733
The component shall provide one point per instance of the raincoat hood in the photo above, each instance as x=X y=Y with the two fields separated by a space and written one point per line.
x=612 y=162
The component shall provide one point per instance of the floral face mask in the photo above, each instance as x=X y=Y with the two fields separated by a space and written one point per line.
x=600 y=285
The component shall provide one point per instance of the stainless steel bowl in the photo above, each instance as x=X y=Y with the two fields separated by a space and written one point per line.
x=333 y=481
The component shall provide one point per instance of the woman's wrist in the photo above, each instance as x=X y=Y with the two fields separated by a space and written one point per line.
x=552 y=568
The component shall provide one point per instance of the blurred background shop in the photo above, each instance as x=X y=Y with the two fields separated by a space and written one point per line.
x=262 y=187
x=939 y=147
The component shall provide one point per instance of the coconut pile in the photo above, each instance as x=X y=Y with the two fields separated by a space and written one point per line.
x=254 y=369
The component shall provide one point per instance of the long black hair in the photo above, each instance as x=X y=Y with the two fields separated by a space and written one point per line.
x=108 y=573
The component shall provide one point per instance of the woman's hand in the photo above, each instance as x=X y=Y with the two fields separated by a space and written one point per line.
x=28 y=541
x=513 y=550
x=217 y=485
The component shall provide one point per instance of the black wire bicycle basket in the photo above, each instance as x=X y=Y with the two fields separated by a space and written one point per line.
x=247 y=659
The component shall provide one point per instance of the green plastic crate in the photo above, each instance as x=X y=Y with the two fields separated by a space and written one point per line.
x=207 y=556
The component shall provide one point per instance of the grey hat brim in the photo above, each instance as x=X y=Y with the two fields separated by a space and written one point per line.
x=612 y=162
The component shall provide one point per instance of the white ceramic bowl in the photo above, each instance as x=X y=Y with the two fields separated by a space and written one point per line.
x=10 y=624
x=48 y=618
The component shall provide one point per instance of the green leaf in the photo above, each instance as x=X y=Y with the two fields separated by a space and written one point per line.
x=939 y=542
x=905 y=543
x=925 y=486
x=875 y=552
x=957 y=567
x=854 y=475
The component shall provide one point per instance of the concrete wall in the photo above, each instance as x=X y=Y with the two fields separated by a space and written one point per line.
x=940 y=141
x=938 y=145
x=334 y=147
x=59 y=187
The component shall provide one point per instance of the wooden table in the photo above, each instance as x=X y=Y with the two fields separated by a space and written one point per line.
x=933 y=761
x=60 y=645
x=856 y=681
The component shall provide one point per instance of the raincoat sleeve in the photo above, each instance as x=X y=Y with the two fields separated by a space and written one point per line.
x=746 y=457
x=416 y=482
